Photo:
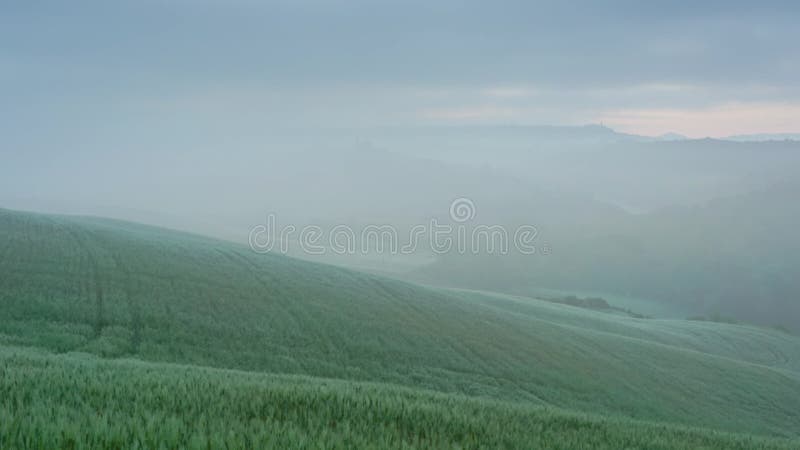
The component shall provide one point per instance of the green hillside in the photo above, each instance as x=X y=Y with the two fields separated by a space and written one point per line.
x=53 y=402
x=122 y=290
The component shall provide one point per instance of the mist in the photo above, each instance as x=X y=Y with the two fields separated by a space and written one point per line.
x=351 y=224
x=207 y=119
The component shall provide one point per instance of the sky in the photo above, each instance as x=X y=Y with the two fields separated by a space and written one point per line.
x=72 y=73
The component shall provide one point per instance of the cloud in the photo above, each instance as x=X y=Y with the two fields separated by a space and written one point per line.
x=512 y=92
x=578 y=45
x=716 y=121
x=414 y=62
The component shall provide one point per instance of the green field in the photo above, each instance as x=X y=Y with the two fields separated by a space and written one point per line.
x=418 y=365
x=78 y=401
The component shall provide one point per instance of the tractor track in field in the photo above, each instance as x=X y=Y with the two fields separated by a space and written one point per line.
x=133 y=306
x=466 y=352
x=777 y=357
x=309 y=327
x=462 y=350
x=95 y=285
x=273 y=291
x=5 y=250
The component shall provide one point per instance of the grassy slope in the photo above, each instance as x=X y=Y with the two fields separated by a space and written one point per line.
x=118 y=289
x=78 y=401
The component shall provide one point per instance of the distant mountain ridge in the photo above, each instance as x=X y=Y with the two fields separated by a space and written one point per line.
x=765 y=137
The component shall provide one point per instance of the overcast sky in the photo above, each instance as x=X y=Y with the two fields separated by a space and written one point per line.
x=68 y=69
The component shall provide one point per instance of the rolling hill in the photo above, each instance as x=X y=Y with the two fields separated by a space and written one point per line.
x=76 y=285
